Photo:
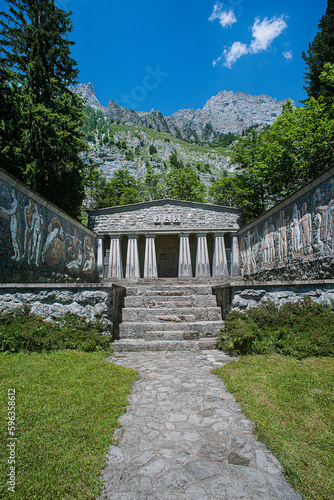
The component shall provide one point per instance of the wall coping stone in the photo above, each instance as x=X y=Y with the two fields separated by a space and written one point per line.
x=252 y=284
x=289 y=199
x=15 y=183
x=8 y=286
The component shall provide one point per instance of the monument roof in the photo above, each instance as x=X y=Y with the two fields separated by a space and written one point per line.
x=165 y=201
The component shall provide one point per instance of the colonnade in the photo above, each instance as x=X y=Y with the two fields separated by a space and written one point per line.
x=202 y=267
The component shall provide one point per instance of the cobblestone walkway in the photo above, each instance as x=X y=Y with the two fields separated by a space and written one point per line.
x=185 y=437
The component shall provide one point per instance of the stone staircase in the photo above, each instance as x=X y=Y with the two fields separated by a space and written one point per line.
x=168 y=316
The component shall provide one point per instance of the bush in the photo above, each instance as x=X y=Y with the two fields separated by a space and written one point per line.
x=28 y=333
x=302 y=329
x=153 y=149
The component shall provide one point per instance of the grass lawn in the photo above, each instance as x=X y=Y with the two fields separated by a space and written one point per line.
x=66 y=408
x=291 y=403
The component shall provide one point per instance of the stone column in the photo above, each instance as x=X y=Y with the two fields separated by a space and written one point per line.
x=99 y=262
x=219 y=263
x=115 y=268
x=235 y=271
x=150 y=263
x=132 y=259
x=184 y=257
x=202 y=257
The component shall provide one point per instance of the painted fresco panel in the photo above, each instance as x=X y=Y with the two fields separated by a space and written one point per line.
x=36 y=242
x=296 y=241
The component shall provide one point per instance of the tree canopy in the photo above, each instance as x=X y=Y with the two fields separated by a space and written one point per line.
x=319 y=52
x=40 y=118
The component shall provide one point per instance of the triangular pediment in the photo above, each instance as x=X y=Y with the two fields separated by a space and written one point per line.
x=165 y=215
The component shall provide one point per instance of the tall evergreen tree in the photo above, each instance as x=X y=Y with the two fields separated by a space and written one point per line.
x=320 y=51
x=40 y=119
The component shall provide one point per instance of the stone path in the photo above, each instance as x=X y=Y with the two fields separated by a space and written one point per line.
x=185 y=437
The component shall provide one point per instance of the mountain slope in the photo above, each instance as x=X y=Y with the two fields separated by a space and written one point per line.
x=223 y=113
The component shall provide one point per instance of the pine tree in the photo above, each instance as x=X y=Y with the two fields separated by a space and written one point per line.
x=40 y=137
x=320 y=51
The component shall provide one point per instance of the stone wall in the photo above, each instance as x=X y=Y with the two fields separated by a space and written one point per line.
x=242 y=296
x=295 y=239
x=52 y=301
x=38 y=241
x=165 y=216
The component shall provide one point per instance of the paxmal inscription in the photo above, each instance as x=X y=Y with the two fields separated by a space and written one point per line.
x=167 y=219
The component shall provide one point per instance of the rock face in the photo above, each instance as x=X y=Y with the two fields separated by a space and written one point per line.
x=229 y=112
x=223 y=113
x=87 y=92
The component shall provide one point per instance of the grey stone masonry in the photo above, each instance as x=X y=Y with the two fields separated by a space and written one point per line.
x=165 y=216
x=53 y=301
x=161 y=316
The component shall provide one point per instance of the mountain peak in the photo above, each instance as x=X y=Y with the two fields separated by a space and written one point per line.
x=223 y=113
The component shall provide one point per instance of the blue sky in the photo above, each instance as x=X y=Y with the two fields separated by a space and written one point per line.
x=173 y=54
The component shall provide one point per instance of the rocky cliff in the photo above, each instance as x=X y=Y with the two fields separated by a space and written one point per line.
x=223 y=113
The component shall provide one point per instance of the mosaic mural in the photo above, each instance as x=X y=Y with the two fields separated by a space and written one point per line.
x=34 y=238
x=297 y=241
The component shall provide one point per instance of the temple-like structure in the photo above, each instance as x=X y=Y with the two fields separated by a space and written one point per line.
x=166 y=239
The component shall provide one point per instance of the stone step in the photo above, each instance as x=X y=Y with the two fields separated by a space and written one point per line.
x=136 y=330
x=157 y=301
x=177 y=314
x=170 y=335
x=163 y=345
x=169 y=291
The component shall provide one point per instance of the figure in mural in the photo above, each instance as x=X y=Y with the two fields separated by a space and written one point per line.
x=268 y=244
x=295 y=230
x=251 y=262
x=14 y=226
x=271 y=240
x=28 y=213
x=282 y=238
x=331 y=216
x=54 y=247
x=37 y=224
x=321 y=220
x=74 y=251
x=265 y=247
x=89 y=255
x=243 y=254
x=306 y=231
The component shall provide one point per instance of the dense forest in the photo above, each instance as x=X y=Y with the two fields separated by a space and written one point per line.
x=46 y=131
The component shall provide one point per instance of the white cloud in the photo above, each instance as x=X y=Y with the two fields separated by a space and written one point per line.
x=265 y=32
x=226 y=17
x=232 y=54
x=288 y=55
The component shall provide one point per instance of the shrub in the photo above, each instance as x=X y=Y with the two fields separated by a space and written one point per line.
x=28 y=333
x=153 y=149
x=302 y=329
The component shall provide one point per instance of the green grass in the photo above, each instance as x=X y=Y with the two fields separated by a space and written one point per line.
x=291 y=403
x=67 y=407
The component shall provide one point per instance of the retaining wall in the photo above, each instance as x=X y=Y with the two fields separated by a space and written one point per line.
x=295 y=239
x=40 y=242
x=242 y=296
x=52 y=301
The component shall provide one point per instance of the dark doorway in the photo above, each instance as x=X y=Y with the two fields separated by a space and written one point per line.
x=167 y=247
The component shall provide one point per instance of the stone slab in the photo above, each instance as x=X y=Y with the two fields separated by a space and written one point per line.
x=163 y=345
x=136 y=330
x=154 y=301
x=172 y=314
